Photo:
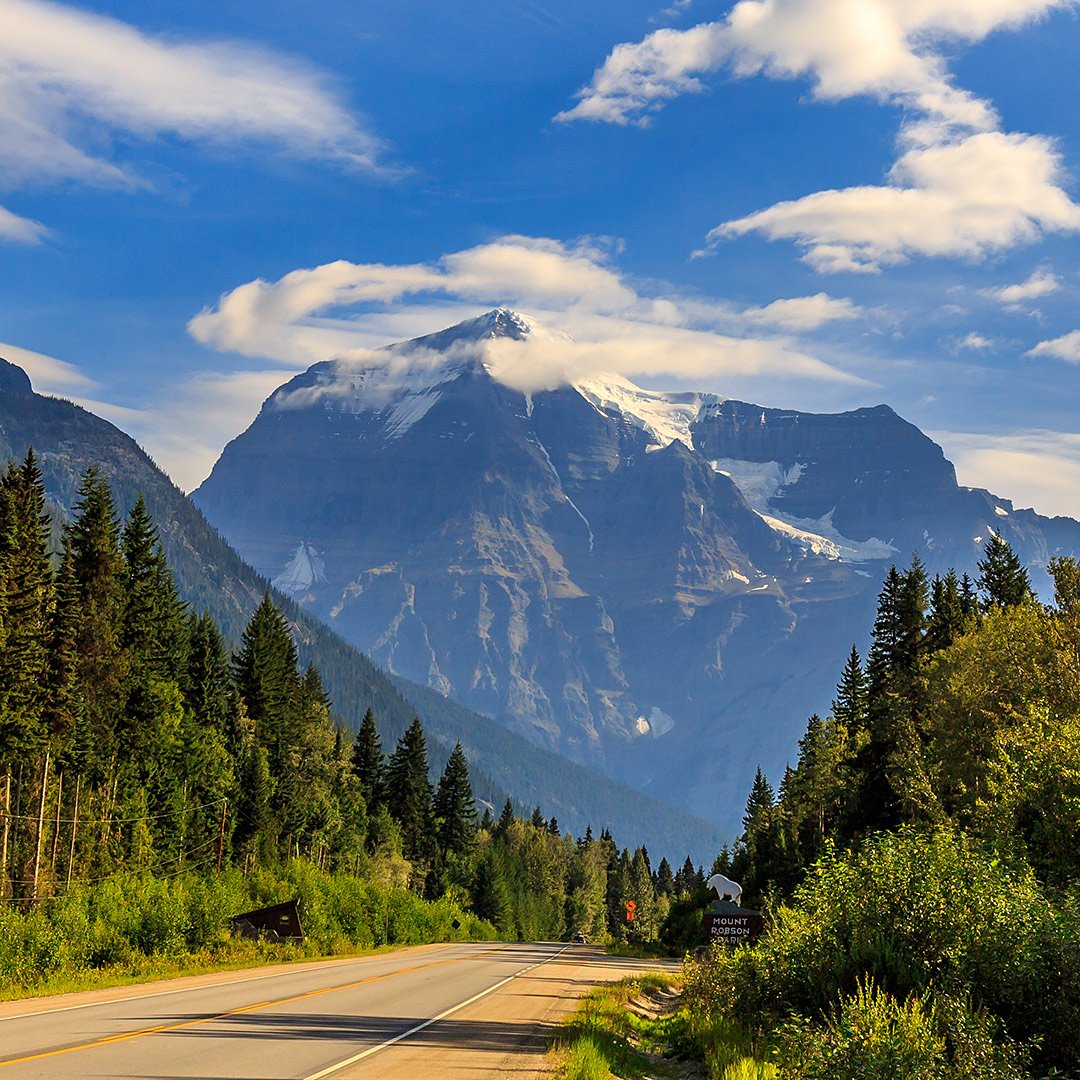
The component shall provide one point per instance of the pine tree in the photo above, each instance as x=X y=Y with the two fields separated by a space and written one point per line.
x=849 y=705
x=206 y=676
x=969 y=597
x=367 y=761
x=1002 y=577
x=537 y=819
x=506 y=818
x=455 y=808
x=153 y=624
x=553 y=827
x=408 y=794
x=665 y=881
x=27 y=602
x=947 y=617
x=93 y=573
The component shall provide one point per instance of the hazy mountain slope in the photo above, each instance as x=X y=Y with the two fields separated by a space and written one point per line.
x=663 y=585
x=211 y=575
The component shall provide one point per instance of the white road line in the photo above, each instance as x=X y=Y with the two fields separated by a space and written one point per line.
x=329 y=1071
x=298 y=970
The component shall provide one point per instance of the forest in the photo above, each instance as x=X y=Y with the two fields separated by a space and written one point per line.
x=147 y=766
x=919 y=864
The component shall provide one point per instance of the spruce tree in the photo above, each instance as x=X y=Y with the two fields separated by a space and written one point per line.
x=1002 y=577
x=455 y=808
x=537 y=819
x=367 y=761
x=408 y=794
x=506 y=818
x=27 y=602
x=849 y=705
x=947 y=618
x=665 y=881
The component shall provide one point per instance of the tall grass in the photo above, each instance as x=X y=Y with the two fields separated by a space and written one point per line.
x=136 y=924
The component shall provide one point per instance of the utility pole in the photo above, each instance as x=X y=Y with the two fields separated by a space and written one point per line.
x=7 y=829
x=221 y=834
x=74 y=826
x=40 y=823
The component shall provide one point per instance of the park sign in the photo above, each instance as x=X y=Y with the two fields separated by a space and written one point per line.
x=728 y=924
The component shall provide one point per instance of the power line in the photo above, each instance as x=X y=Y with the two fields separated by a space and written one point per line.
x=115 y=820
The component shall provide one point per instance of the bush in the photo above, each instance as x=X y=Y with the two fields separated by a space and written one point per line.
x=910 y=911
x=131 y=921
x=873 y=1036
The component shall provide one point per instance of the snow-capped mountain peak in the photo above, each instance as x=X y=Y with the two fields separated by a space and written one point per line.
x=666 y=417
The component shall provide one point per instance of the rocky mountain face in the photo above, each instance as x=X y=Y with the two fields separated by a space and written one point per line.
x=661 y=585
x=211 y=576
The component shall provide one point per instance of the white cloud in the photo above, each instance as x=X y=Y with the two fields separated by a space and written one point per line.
x=47 y=374
x=886 y=48
x=309 y=315
x=70 y=79
x=975 y=340
x=1066 y=347
x=1036 y=468
x=803 y=313
x=1041 y=283
x=960 y=188
x=967 y=199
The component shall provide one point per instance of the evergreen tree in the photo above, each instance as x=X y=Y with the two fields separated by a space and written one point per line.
x=27 y=602
x=506 y=818
x=947 y=617
x=367 y=761
x=553 y=827
x=455 y=808
x=537 y=819
x=665 y=881
x=969 y=597
x=1002 y=577
x=849 y=705
x=408 y=794
x=152 y=619
x=206 y=677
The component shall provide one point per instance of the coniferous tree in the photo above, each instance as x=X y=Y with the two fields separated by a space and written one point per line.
x=665 y=881
x=1002 y=577
x=947 y=616
x=27 y=603
x=969 y=596
x=506 y=818
x=93 y=571
x=408 y=794
x=455 y=808
x=367 y=761
x=537 y=819
x=849 y=705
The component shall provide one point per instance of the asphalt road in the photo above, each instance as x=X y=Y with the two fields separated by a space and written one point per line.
x=435 y=1011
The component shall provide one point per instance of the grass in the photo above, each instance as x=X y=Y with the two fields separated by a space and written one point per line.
x=235 y=956
x=604 y=1038
x=607 y=1039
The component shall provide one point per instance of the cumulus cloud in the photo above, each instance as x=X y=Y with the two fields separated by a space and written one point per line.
x=890 y=49
x=968 y=199
x=1041 y=283
x=960 y=187
x=311 y=314
x=1066 y=347
x=70 y=80
x=1045 y=465
x=976 y=341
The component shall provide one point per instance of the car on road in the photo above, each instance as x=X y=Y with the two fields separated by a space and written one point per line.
x=579 y=939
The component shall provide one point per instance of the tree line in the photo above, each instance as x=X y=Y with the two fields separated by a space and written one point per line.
x=133 y=737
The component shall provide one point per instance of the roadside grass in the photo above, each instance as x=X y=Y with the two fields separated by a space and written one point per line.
x=608 y=1038
x=229 y=956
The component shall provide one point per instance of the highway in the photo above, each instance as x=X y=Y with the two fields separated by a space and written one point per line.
x=462 y=1010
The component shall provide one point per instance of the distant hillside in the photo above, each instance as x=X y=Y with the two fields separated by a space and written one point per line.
x=210 y=575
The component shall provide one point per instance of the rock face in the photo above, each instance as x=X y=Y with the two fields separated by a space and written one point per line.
x=664 y=585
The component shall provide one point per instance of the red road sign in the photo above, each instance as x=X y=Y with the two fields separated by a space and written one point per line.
x=631 y=907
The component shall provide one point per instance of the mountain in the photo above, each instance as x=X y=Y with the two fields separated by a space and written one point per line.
x=661 y=585
x=211 y=576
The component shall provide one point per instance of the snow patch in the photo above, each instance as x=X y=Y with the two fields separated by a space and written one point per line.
x=306 y=568
x=762 y=482
x=1001 y=511
x=657 y=725
x=664 y=417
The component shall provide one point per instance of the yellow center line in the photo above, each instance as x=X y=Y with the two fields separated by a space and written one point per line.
x=158 y=1029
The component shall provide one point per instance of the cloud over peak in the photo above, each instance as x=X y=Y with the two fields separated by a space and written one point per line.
x=70 y=79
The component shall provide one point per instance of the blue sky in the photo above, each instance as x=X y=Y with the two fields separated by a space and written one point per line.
x=818 y=204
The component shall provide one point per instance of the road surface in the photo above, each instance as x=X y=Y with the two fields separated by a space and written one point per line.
x=475 y=1010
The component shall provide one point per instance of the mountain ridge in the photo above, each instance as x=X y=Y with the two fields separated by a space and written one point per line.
x=211 y=575
x=581 y=559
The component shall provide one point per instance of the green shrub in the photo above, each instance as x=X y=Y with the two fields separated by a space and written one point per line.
x=872 y=1036
x=911 y=910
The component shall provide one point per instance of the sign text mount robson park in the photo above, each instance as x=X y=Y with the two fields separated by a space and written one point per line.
x=732 y=925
